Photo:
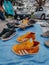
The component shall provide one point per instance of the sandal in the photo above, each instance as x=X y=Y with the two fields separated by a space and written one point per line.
x=27 y=35
x=27 y=47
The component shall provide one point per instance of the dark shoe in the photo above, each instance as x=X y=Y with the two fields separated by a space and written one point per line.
x=31 y=21
x=16 y=25
x=5 y=30
x=45 y=34
x=9 y=34
x=12 y=25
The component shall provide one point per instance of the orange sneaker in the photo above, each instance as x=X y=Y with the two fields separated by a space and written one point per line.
x=27 y=47
x=27 y=35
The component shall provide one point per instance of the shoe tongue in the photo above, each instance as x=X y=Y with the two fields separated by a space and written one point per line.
x=31 y=40
x=29 y=43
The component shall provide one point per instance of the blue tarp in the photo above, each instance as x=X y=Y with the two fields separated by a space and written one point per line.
x=7 y=57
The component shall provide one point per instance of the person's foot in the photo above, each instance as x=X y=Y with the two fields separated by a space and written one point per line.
x=9 y=34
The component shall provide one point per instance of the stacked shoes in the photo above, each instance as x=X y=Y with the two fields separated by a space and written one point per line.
x=7 y=33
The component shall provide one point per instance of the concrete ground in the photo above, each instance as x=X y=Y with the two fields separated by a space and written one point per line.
x=2 y=25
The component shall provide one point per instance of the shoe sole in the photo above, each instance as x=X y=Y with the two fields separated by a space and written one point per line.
x=9 y=37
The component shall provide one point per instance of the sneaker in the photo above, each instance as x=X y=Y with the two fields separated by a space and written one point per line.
x=27 y=47
x=12 y=25
x=27 y=35
x=44 y=25
x=47 y=43
x=5 y=30
x=45 y=34
x=16 y=25
x=9 y=34
x=31 y=21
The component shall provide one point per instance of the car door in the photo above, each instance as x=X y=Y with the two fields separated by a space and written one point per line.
x=38 y=13
x=47 y=13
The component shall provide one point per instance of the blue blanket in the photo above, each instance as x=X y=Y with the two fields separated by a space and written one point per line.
x=7 y=57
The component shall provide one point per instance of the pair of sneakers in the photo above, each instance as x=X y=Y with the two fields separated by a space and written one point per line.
x=7 y=33
x=27 y=44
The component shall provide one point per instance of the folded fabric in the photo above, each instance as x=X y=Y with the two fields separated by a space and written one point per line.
x=27 y=47
x=27 y=35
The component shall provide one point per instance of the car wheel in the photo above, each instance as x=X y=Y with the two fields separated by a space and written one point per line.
x=43 y=16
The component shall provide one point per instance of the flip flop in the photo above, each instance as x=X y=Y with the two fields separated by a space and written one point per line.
x=27 y=35
x=27 y=47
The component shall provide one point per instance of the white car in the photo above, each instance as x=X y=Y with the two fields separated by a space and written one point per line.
x=42 y=13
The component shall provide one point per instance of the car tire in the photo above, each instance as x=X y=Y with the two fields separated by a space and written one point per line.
x=43 y=16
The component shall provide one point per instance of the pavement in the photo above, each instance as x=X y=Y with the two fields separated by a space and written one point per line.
x=2 y=25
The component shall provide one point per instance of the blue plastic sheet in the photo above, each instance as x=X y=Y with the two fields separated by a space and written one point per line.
x=7 y=57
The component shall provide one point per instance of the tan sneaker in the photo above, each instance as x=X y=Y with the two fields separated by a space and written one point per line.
x=27 y=47
x=27 y=35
